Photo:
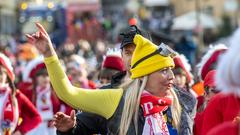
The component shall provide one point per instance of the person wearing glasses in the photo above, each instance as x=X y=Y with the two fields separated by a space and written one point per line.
x=150 y=93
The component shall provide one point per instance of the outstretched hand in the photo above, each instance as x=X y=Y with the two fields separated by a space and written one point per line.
x=64 y=122
x=42 y=41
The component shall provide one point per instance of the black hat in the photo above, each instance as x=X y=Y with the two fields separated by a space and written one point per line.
x=129 y=35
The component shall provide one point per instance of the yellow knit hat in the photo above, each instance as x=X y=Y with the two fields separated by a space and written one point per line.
x=147 y=59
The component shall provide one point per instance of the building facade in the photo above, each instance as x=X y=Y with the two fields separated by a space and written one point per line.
x=8 y=17
x=215 y=8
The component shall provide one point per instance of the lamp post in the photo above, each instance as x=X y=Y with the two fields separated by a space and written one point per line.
x=200 y=30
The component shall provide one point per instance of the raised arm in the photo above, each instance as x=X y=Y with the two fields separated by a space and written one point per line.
x=101 y=102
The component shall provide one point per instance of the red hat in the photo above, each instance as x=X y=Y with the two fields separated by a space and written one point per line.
x=38 y=67
x=32 y=68
x=209 y=80
x=6 y=63
x=180 y=61
x=113 y=60
x=209 y=59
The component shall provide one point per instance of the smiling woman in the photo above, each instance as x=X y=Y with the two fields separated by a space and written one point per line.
x=152 y=82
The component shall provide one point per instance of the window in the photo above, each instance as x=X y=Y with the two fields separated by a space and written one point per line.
x=208 y=10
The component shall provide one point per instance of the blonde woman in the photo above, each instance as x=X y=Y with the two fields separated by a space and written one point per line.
x=136 y=108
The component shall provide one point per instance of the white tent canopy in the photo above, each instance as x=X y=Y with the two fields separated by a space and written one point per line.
x=188 y=21
x=156 y=2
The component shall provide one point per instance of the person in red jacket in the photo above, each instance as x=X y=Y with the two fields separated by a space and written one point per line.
x=208 y=62
x=222 y=108
x=210 y=91
x=225 y=107
x=43 y=96
x=17 y=114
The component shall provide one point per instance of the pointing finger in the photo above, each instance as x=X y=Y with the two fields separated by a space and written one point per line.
x=41 y=28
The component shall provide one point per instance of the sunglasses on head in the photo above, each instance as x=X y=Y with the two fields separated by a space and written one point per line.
x=162 y=49
x=166 y=51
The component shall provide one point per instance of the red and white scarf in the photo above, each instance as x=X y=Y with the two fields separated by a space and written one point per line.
x=8 y=112
x=44 y=102
x=153 y=107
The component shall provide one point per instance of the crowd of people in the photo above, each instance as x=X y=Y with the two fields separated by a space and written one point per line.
x=136 y=88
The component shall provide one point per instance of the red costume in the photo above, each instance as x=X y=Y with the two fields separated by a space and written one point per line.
x=209 y=81
x=17 y=113
x=227 y=127
x=42 y=95
x=28 y=113
x=198 y=120
x=222 y=108
x=28 y=89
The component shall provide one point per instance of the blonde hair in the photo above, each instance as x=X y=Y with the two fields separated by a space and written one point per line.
x=176 y=110
x=134 y=90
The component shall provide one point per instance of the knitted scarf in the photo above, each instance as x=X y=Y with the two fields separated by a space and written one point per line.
x=153 y=107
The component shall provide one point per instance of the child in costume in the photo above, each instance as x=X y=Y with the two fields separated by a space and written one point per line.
x=17 y=114
x=42 y=96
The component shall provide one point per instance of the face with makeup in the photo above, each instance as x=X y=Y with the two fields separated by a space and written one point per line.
x=160 y=82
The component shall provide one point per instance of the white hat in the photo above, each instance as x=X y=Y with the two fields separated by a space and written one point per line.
x=6 y=63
